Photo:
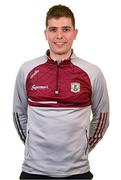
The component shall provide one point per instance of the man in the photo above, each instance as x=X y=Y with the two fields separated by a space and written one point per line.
x=54 y=97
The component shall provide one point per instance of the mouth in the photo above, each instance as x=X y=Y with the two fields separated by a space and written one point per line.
x=59 y=43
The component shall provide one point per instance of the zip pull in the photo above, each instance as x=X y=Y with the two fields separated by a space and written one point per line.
x=56 y=92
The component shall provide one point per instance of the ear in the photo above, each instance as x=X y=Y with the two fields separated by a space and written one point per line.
x=75 y=33
x=45 y=32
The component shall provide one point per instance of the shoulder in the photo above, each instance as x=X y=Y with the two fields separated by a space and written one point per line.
x=30 y=64
x=27 y=66
x=91 y=69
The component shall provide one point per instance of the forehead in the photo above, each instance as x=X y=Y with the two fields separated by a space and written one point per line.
x=59 y=22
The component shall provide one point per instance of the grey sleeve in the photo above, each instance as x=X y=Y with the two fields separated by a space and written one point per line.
x=100 y=110
x=20 y=106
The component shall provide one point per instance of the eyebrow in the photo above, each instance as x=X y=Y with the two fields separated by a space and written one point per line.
x=69 y=27
x=51 y=27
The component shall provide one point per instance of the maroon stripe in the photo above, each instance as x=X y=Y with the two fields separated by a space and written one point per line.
x=94 y=143
x=60 y=105
x=93 y=138
x=99 y=130
x=18 y=126
x=104 y=124
x=99 y=136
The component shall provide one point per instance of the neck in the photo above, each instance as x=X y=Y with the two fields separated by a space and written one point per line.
x=60 y=57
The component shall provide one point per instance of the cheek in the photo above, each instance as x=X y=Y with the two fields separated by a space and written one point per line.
x=49 y=37
x=70 y=40
x=71 y=37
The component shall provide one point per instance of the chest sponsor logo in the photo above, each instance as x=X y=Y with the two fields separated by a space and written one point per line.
x=75 y=87
x=35 y=87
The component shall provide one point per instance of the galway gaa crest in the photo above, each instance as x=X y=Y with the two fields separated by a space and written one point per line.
x=75 y=87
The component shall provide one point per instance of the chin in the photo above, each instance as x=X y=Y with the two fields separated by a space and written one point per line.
x=60 y=52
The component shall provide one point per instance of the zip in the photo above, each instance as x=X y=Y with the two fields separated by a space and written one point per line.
x=57 y=79
x=87 y=142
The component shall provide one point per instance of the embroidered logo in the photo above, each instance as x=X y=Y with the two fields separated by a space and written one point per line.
x=75 y=87
x=34 y=87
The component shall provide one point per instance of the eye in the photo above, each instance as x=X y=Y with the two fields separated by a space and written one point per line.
x=52 y=29
x=66 y=29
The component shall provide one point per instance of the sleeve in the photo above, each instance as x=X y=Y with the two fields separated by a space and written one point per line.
x=100 y=111
x=20 y=106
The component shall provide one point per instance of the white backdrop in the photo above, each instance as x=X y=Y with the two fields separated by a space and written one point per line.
x=22 y=23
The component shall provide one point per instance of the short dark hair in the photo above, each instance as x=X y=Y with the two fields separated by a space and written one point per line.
x=59 y=11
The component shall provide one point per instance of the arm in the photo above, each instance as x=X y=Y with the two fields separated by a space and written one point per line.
x=20 y=106
x=100 y=110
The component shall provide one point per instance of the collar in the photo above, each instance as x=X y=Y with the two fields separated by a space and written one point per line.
x=51 y=61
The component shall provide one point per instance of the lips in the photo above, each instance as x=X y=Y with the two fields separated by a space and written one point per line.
x=59 y=43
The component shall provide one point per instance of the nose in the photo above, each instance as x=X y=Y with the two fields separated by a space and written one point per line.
x=59 y=34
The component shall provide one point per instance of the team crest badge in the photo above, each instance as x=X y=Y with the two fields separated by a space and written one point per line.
x=75 y=87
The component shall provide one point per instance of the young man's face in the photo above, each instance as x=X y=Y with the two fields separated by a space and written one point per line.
x=60 y=34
